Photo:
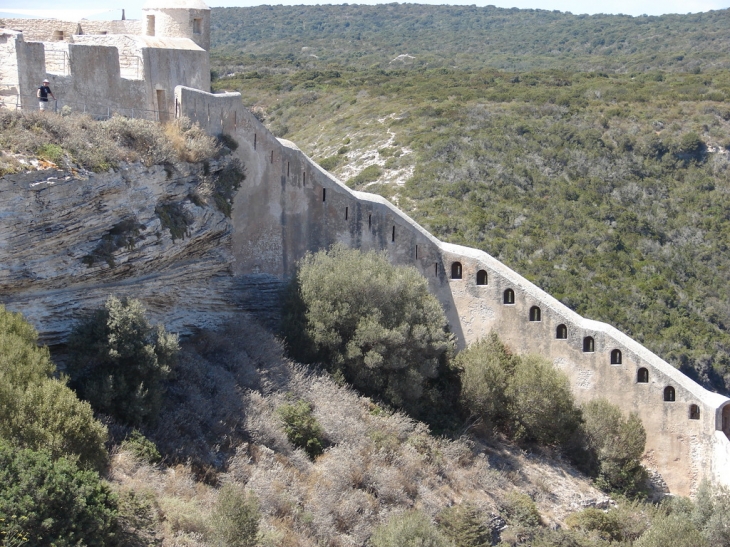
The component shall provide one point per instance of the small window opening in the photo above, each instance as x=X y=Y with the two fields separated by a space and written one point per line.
x=589 y=346
x=509 y=296
x=562 y=332
x=287 y=166
x=104 y=32
x=456 y=270
x=57 y=35
x=150 y=25
x=197 y=26
x=416 y=252
x=481 y=277
x=392 y=237
x=616 y=357
x=669 y=394
x=535 y=314
x=272 y=156
x=436 y=269
x=694 y=412
x=304 y=179
x=370 y=221
x=642 y=376
x=324 y=194
x=346 y=210
x=254 y=141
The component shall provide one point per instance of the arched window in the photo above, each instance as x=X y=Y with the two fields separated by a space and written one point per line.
x=481 y=277
x=694 y=412
x=509 y=296
x=642 y=376
x=456 y=270
x=616 y=357
x=535 y=314
x=669 y=394
x=589 y=346
x=562 y=332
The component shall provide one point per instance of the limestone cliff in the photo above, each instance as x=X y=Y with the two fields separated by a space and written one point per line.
x=68 y=239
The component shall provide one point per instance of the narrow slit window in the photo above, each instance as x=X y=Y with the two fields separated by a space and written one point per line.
x=324 y=194
x=416 y=252
x=272 y=156
x=346 y=211
x=456 y=270
x=392 y=237
x=482 y=278
x=694 y=412
x=370 y=221
x=436 y=269
x=642 y=376
x=254 y=141
x=562 y=332
x=304 y=179
x=669 y=395
x=589 y=345
x=535 y=314
x=616 y=357
x=287 y=169
x=509 y=296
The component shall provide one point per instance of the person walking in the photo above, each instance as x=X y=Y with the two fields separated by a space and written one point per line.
x=43 y=92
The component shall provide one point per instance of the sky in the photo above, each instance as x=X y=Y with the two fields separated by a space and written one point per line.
x=89 y=9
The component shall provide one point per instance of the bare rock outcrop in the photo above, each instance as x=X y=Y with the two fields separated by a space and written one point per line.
x=68 y=239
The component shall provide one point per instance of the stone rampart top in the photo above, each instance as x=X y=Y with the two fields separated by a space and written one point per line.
x=174 y=4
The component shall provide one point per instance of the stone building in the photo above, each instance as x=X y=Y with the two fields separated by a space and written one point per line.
x=289 y=206
x=129 y=67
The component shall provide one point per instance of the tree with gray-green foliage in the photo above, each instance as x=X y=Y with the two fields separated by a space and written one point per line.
x=614 y=446
x=235 y=520
x=708 y=513
x=119 y=361
x=38 y=411
x=464 y=525
x=409 y=529
x=374 y=323
x=675 y=530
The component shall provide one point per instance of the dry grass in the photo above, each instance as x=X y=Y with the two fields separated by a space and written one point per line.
x=77 y=141
x=220 y=424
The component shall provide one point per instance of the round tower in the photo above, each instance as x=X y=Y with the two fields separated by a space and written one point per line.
x=177 y=19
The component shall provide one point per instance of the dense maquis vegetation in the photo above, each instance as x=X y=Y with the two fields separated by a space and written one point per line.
x=607 y=187
x=471 y=37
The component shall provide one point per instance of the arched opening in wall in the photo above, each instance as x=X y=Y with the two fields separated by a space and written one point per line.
x=669 y=394
x=509 y=296
x=482 y=278
x=561 y=333
x=535 y=314
x=456 y=270
x=589 y=345
x=616 y=357
x=726 y=420
x=694 y=412
x=150 y=25
x=642 y=376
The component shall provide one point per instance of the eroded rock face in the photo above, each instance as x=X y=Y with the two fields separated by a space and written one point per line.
x=70 y=239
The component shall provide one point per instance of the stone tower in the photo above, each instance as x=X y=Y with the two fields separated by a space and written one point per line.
x=178 y=19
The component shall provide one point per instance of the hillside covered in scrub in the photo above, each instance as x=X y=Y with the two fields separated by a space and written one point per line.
x=594 y=162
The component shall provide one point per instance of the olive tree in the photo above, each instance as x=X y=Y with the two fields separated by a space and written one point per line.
x=374 y=323
x=119 y=361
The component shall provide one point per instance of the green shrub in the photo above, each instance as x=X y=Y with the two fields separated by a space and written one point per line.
x=119 y=361
x=463 y=524
x=604 y=524
x=226 y=183
x=521 y=510
x=50 y=152
x=235 y=519
x=615 y=446
x=410 y=529
x=485 y=368
x=674 y=529
x=375 y=323
x=330 y=163
x=369 y=174
x=36 y=410
x=541 y=404
x=52 y=502
x=302 y=428
x=142 y=448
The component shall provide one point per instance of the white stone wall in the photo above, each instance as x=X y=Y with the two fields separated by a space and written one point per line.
x=179 y=23
x=290 y=206
x=43 y=30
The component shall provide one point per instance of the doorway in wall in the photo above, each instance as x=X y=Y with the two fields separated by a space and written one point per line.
x=162 y=114
x=726 y=420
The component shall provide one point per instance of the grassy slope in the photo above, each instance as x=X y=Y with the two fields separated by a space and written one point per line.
x=608 y=190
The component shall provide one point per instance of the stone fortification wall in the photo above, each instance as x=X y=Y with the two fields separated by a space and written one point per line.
x=179 y=23
x=48 y=30
x=290 y=206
